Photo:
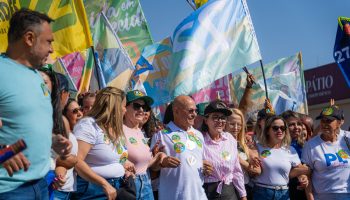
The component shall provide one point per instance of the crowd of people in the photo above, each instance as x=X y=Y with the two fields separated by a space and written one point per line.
x=109 y=144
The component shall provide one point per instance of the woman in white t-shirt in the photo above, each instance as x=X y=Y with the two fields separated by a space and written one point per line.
x=327 y=155
x=101 y=147
x=279 y=162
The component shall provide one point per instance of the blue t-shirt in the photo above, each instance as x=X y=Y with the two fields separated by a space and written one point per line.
x=26 y=113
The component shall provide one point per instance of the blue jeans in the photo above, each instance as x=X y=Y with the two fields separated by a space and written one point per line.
x=60 y=195
x=261 y=193
x=143 y=187
x=88 y=190
x=34 y=190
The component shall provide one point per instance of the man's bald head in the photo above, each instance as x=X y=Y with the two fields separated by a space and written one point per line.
x=184 y=110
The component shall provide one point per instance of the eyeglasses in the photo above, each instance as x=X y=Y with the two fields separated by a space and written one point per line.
x=76 y=110
x=192 y=111
x=217 y=118
x=137 y=106
x=276 y=128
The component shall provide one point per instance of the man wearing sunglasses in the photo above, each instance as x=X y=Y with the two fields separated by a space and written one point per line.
x=182 y=141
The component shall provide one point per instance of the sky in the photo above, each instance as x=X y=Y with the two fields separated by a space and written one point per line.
x=283 y=27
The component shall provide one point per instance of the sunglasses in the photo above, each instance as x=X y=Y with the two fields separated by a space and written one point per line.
x=76 y=110
x=137 y=106
x=276 y=128
x=217 y=118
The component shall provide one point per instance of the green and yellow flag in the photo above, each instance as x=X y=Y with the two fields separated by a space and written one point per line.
x=71 y=28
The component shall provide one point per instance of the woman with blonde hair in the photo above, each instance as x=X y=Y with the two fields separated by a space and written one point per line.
x=247 y=154
x=279 y=162
x=101 y=147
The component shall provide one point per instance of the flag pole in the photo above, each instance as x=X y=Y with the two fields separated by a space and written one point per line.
x=263 y=72
x=96 y=67
x=191 y=4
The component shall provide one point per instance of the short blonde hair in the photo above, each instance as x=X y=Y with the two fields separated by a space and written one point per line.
x=264 y=138
x=108 y=112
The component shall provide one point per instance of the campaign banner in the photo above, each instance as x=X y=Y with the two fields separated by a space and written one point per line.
x=219 y=89
x=342 y=47
x=127 y=20
x=285 y=84
x=212 y=42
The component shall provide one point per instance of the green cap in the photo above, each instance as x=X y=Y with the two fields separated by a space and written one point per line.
x=201 y=107
x=137 y=94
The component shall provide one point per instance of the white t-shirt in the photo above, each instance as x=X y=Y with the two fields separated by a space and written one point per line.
x=184 y=182
x=276 y=165
x=71 y=176
x=103 y=158
x=330 y=165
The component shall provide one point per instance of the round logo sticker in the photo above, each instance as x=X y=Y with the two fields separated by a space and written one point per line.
x=226 y=155
x=132 y=140
x=265 y=153
x=119 y=149
x=175 y=138
x=123 y=157
x=179 y=147
x=343 y=154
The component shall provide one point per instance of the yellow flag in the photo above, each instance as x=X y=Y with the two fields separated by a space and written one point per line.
x=71 y=29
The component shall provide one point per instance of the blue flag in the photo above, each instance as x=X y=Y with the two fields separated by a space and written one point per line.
x=214 y=41
x=342 y=47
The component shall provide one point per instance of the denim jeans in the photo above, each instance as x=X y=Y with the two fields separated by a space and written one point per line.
x=143 y=187
x=261 y=193
x=88 y=190
x=60 y=195
x=34 y=190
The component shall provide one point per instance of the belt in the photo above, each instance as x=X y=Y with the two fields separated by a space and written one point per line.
x=274 y=187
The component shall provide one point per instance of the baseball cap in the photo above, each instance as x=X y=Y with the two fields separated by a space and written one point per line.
x=331 y=112
x=137 y=94
x=201 y=107
x=217 y=106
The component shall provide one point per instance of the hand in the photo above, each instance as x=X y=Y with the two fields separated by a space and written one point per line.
x=16 y=163
x=207 y=168
x=61 y=145
x=255 y=162
x=157 y=148
x=110 y=191
x=170 y=162
x=129 y=166
x=304 y=169
x=60 y=178
x=303 y=182
x=250 y=80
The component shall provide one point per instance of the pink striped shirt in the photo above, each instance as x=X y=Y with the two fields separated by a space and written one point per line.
x=223 y=155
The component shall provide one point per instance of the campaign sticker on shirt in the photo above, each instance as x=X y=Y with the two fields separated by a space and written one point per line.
x=132 y=140
x=190 y=145
x=175 y=138
x=191 y=160
x=191 y=137
x=179 y=147
x=226 y=155
x=265 y=153
x=343 y=154
x=119 y=149
x=45 y=89
x=190 y=133
x=199 y=143
x=123 y=157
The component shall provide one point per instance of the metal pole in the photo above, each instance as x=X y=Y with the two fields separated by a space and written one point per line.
x=263 y=72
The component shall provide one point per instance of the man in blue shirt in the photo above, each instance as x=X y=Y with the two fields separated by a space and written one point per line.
x=25 y=107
